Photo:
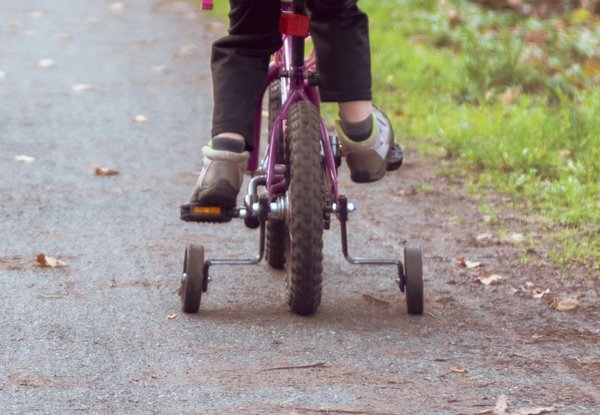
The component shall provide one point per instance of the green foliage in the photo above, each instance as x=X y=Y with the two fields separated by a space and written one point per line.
x=506 y=97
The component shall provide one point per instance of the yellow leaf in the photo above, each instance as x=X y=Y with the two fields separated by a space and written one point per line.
x=580 y=16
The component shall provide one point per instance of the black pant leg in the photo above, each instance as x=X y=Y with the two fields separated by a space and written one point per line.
x=340 y=31
x=239 y=64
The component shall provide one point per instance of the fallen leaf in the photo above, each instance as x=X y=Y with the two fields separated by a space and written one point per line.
x=454 y=18
x=501 y=406
x=187 y=50
x=534 y=411
x=592 y=68
x=46 y=63
x=79 y=88
x=566 y=304
x=160 y=69
x=457 y=369
x=117 y=7
x=140 y=119
x=172 y=316
x=467 y=264
x=538 y=293
x=484 y=236
x=48 y=261
x=24 y=158
x=375 y=301
x=113 y=283
x=104 y=171
x=489 y=279
x=516 y=237
x=538 y=37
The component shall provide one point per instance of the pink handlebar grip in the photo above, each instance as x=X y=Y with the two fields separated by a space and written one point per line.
x=207 y=4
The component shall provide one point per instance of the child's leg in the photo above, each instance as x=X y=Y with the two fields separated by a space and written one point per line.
x=239 y=65
x=341 y=36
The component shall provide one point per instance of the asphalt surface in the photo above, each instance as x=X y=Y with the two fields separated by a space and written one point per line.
x=104 y=334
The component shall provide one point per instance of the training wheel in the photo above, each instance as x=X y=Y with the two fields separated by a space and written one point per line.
x=193 y=278
x=413 y=279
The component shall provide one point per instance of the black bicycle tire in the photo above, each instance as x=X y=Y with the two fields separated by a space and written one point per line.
x=304 y=264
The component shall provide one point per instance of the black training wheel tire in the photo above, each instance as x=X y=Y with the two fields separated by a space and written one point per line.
x=304 y=260
x=276 y=236
x=413 y=280
x=193 y=278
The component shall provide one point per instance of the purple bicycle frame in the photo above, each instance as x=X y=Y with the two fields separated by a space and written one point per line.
x=299 y=90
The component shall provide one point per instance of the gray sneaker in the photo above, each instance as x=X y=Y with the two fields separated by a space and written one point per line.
x=221 y=178
x=368 y=159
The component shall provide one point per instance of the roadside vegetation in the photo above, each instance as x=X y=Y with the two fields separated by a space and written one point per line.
x=505 y=98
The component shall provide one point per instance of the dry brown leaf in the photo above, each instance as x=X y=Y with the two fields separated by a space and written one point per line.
x=484 y=236
x=490 y=279
x=467 y=264
x=592 y=68
x=457 y=369
x=104 y=171
x=48 y=261
x=171 y=316
x=538 y=293
x=534 y=411
x=566 y=304
x=501 y=406
x=375 y=301
x=113 y=283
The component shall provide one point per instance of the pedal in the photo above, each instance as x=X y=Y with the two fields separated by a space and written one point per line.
x=395 y=157
x=213 y=214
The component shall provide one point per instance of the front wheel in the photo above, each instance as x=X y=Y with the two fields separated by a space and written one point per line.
x=304 y=265
x=193 y=278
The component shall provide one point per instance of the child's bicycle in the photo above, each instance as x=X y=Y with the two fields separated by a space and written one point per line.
x=300 y=193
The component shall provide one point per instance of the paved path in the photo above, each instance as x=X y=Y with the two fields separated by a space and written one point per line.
x=95 y=337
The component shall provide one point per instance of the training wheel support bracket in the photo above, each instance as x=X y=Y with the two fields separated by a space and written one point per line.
x=342 y=209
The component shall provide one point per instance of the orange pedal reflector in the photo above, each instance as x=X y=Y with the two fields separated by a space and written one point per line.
x=206 y=210
x=294 y=24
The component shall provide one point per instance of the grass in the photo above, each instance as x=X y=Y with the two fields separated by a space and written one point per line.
x=518 y=115
x=512 y=101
